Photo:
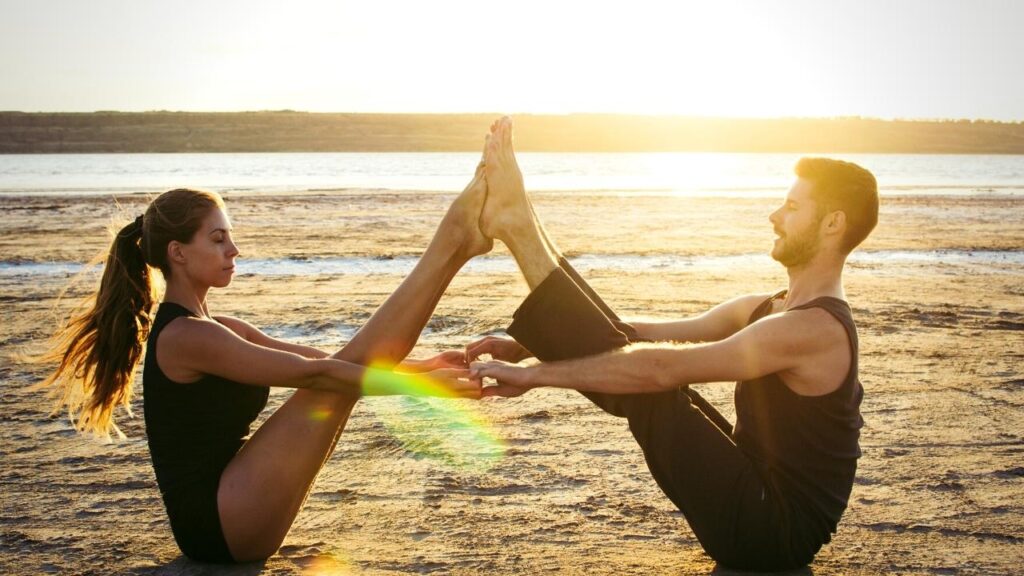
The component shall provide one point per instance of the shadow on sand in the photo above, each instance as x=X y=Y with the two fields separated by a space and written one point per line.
x=724 y=571
x=182 y=566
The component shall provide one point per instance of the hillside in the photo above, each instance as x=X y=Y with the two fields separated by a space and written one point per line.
x=288 y=131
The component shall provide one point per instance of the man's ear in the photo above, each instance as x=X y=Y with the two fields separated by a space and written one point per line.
x=834 y=223
x=175 y=253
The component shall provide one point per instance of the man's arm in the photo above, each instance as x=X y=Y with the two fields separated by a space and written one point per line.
x=716 y=324
x=785 y=342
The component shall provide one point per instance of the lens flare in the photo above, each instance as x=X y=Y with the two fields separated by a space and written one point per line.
x=320 y=414
x=329 y=565
x=430 y=424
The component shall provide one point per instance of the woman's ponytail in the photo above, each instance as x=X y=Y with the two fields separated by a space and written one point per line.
x=99 y=348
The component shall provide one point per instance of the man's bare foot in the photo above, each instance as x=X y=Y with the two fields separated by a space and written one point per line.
x=461 y=222
x=533 y=211
x=507 y=210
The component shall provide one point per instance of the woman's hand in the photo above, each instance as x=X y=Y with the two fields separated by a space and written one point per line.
x=441 y=383
x=444 y=360
x=450 y=383
x=505 y=349
x=447 y=359
x=512 y=380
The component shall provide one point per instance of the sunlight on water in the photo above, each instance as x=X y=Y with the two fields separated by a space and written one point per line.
x=996 y=261
x=448 y=431
x=672 y=173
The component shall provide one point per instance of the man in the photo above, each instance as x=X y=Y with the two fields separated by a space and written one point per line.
x=764 y=494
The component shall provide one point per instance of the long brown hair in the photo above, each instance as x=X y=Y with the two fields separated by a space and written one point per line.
x=100 y=346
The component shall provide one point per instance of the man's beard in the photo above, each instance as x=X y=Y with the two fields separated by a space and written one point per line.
x=798 y=249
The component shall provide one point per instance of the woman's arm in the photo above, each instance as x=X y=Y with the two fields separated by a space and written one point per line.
x=190 y=348
x=444 y=360
x=253 y=334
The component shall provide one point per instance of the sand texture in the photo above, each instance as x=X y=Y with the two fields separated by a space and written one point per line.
x=939 y=490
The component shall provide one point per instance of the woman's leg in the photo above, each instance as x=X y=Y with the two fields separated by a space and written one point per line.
x=265 y=484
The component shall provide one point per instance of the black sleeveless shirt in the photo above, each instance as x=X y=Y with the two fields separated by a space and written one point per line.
x=807 y=445
x=193 y=429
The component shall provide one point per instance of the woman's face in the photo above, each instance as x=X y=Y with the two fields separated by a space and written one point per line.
x=209 y=259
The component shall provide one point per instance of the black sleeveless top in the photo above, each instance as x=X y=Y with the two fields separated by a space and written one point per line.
x=807 y=445
x=193 y=429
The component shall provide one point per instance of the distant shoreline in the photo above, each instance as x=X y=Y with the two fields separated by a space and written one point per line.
x=290 y=131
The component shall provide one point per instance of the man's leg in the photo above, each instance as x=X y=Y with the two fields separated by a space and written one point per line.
x=694 y=462
x=613 y=404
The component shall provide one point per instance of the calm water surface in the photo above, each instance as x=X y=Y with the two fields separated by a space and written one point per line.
x=636 y=173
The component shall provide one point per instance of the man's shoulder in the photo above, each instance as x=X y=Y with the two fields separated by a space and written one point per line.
x=814 y=327
x=742 y=308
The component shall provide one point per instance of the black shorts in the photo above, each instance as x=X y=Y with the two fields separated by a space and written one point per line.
x=195 y=518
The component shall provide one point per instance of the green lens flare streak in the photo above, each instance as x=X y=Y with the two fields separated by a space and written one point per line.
x=429 y=423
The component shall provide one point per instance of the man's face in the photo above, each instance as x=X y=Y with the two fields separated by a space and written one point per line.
x=797 y=224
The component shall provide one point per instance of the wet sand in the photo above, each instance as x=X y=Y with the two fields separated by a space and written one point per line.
x=939 y=488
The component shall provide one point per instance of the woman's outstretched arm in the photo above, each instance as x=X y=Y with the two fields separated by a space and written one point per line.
x=203 y=347
x=446 y=359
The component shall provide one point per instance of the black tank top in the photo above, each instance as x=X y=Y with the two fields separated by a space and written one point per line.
x=193 y=429
x=806 y=445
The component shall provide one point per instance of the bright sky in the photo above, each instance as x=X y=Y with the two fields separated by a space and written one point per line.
x=879 y=58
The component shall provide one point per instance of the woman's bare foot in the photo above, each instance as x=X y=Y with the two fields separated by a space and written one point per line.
x=507 y=211
x=461 y=222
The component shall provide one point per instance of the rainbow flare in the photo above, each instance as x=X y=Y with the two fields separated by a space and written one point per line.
x=430 y=423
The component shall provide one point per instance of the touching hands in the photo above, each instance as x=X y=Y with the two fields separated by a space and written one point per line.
x=512 y=380
x=445 y=375
x=451 y=383
x=504 y=353
x=457 y=374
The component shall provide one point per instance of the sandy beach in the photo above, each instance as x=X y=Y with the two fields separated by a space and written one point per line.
x=937 y=297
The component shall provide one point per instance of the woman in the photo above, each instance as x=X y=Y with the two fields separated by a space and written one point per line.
x=206 y=377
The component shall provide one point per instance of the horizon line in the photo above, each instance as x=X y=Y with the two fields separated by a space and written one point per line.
x=514 y=114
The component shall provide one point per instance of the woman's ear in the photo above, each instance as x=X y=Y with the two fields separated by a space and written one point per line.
x=175 y=252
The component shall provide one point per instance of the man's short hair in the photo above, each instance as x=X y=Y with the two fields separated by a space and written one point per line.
x=845 y=186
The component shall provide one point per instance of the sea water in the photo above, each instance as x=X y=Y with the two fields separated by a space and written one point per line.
x=692 y=174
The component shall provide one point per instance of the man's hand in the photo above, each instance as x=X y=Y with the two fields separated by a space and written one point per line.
x=505 y=349
x=512 y=380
